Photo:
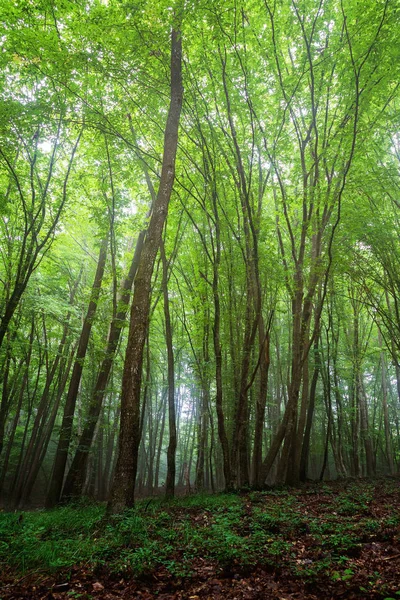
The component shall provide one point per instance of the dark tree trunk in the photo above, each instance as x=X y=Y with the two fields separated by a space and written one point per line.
x=201 y=438
x=171 y=452
x=204 y=405
x=77 y=472
x=12 y=305
x=264 y=345
x=122 y=494
x=305 y=449
x=109 y=460
x=60 y=462
x=223 y=438
x=364 y=428
x=386 y=422
x=21 y=393
x=160 y=441
x=43 y=409
x=12 y=434
x=5 y=398
x=45 y=435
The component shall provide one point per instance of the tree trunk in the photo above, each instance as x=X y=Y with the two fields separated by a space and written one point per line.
x=10 y=441
x=5 y=397
x=160 y=441
x=122 y=494
x=364 y=428
x=386 y=423
x=199 y=482
x=42 y=411
x=305 y=450
x=109 y=461
x=264 y=345
x=171 y=452
x=46 y=432
x=60 y=462
x=76 y=474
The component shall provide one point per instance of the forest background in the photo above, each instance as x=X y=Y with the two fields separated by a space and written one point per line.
x=261 y=245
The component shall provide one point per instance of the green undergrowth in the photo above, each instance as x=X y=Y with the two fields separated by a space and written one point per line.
x=314 y=531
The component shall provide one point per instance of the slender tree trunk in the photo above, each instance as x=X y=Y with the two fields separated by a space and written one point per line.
x=22 y=391
x=44 y=437
x=98 y=474
x=14 y=426
x=329 y=425
x=223 y=438
x=199 y=482
x=364 y=428
x=343 y=469
x=160 y=441
x=211 y=451
x=43 y=409
x=171 y=453
x=5 y=397
x=303 y=412
x=288 y=461
x=122 y=494
x=76 y=474
x=185 y=441
x=354 y=394
x=60 y=462
x=264 y=346
x=305 y=450
x=31 y=402
x=386 y=423
x=355 y=425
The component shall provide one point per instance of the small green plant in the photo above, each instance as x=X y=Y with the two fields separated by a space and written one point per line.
x=341 y=542
x=178 y=568
x=392 y=521
x=346 y=575
x=278 y=547
x=346 y=506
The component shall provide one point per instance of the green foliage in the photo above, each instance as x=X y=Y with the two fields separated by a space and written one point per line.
x=303 y=100
x=229 y=529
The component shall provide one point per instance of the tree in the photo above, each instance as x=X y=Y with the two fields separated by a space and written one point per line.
x=265 y=316
x=122 y=494
x=69 y=408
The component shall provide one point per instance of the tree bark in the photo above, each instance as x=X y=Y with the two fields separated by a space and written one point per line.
x=310 y=414
x=76 y=474
x=386 y=422
x=60 y=462
x=44 y=406
x=122 y=494
x=171 y=452
x=364 y=428
x=264 y=344
x=160 y=440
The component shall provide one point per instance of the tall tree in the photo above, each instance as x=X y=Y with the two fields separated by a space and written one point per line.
x=122 y=493
x=60 y=461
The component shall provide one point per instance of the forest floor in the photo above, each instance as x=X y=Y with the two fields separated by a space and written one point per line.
x=338 y=540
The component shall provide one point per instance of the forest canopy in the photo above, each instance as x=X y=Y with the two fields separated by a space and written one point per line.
x=199 y=256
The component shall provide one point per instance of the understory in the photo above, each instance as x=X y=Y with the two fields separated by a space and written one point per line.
x=336 y=540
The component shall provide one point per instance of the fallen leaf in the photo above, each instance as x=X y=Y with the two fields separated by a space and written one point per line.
x=97 y=586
